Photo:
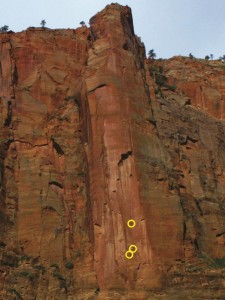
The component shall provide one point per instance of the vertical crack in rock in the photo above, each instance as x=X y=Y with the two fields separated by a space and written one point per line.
x=15 y=76
x=9 y=115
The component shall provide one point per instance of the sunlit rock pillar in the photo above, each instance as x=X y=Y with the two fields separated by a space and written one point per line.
x=118 y=103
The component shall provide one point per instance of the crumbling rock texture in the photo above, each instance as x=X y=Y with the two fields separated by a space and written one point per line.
x=94 y=134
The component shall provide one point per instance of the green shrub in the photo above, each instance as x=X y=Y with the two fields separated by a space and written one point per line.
x=4 y=29
x=80 y=174
x=40 y=268
x=43 y=23
x=13 y=264
x=69 y=265
x=25 y=257
x=14 y=291
x=160 y=79
x=24 y=273
x=171 y=87
x=217 y=263
x=161 y=69
x=151 y=54
x=153 y=70
x=222 y=58
x=27 y=274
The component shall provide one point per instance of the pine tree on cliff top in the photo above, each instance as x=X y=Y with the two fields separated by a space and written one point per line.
x=43 y=23
x=151 y=54
x=4 y=28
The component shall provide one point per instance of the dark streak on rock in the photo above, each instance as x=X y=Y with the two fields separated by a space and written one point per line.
x=9 y=115
x=57 y=147
x=56 y=183
x=124 y=156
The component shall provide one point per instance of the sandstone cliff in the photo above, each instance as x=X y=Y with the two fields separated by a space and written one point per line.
x=92 y=135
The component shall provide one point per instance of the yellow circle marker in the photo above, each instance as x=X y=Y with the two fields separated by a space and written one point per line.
x=129 y=254
x=131 y=223
x=133 y=248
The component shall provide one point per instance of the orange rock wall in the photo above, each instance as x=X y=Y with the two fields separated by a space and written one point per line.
x=116 y=99
x=45 y=191
x=89 y=139
x=202 y=81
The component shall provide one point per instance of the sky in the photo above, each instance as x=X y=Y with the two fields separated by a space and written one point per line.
x=170 y=27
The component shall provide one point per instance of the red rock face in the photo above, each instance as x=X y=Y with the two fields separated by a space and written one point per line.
x=119 y=111
x=93 y=135
x=45 y=194
x=202 y=82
